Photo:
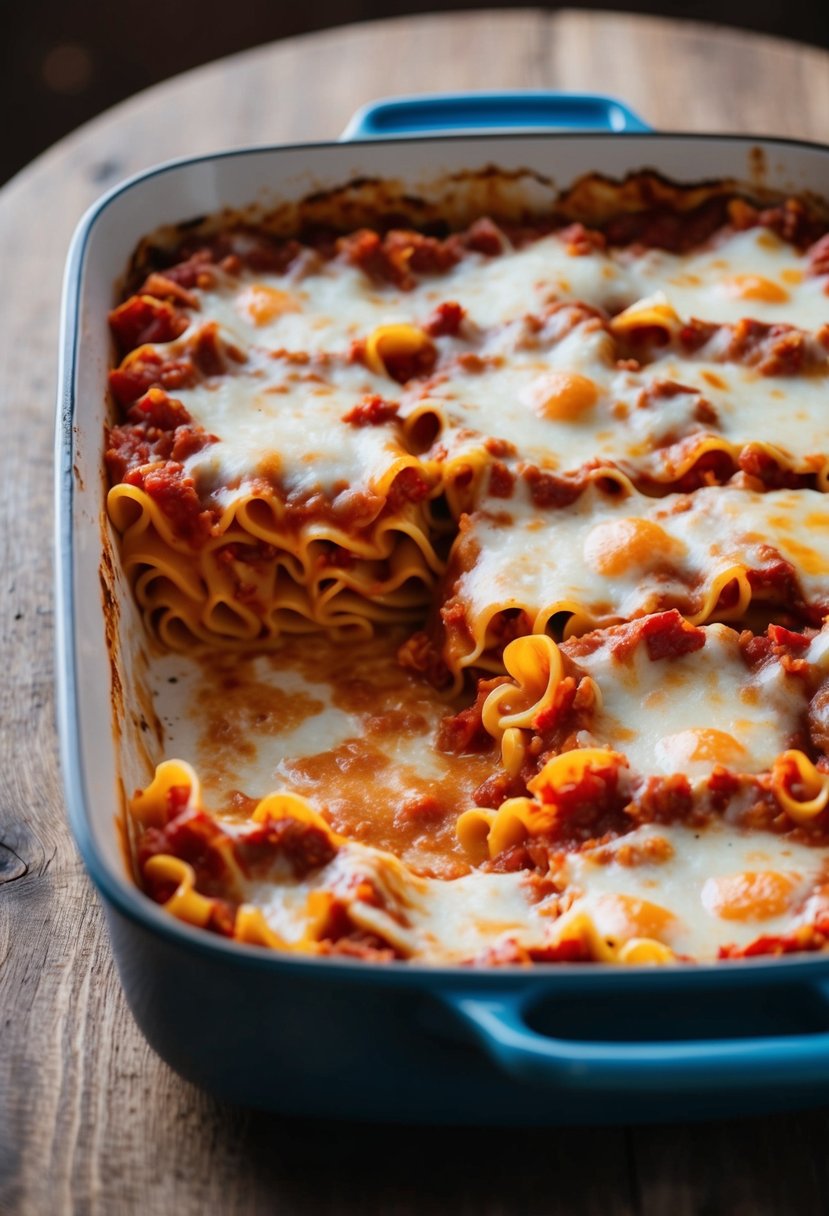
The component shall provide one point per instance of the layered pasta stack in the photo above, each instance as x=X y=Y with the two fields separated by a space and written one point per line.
x=563 y=484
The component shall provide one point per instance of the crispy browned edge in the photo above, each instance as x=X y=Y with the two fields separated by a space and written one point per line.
x=457 y=199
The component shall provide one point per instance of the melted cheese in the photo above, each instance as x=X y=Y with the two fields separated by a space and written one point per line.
x=751 y=273
x=784 y=412
x=550 y=396
x=632 y=418
x=458 y=918
x=613 y=558
x=687 y=714
x=710 y=887
x=325 y=305
x=354 y=733
x=274 y=414
x=705 y=883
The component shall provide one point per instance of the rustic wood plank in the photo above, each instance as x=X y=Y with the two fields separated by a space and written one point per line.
x=90 y=1120
x=683 y=76
x=771 y=1166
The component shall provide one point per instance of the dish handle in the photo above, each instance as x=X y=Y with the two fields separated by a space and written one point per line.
x=515 y=110
x=500 y=1026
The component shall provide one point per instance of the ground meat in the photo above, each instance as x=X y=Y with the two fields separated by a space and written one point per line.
x=372 y=411
x=818 y=719
x=304 y=846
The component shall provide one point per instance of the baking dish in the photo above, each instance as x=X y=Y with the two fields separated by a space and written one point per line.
x=566 y=1044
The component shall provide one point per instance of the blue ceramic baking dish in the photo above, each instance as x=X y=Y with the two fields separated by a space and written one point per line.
x=563 y=1044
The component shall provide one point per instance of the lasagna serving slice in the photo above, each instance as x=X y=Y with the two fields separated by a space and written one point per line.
x=501 y=558
x=612 y=555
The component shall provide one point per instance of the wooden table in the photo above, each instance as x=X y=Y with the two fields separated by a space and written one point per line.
x=91 y=1121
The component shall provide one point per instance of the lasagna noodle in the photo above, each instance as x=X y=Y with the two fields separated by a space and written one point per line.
x=346 y=543
x=253 y=580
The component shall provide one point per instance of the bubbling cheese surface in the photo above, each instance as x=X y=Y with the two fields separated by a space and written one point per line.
x=701 y=709
x=752 y=273
x=714 y=886
x=611 y=558
x=630 y=417
x=274 y=416
x=272 y=412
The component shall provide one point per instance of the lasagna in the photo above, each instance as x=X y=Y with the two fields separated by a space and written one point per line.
x=490 y=564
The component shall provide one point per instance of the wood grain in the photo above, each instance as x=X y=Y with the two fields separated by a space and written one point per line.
x=91 y=1121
